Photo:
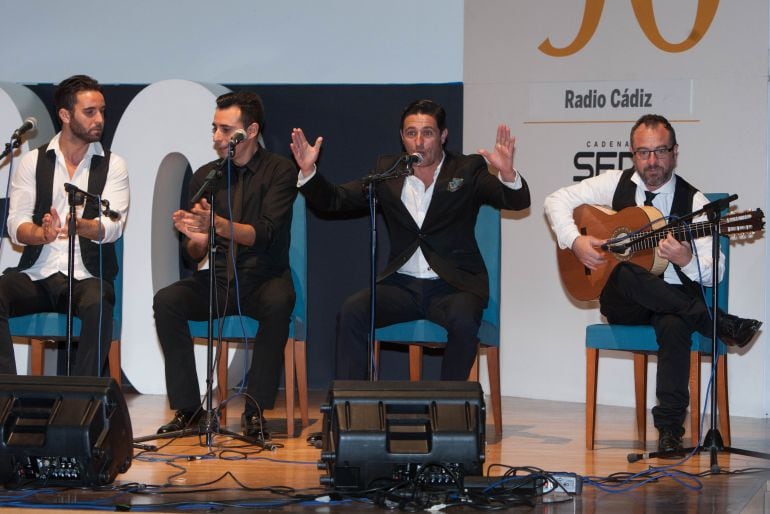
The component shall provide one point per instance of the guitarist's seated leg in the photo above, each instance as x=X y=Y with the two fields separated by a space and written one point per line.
x=633 y=294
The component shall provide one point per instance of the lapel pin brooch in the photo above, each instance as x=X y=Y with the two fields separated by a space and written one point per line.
x=454 y=185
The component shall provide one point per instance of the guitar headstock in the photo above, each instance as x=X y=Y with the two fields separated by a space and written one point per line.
x=742 y=225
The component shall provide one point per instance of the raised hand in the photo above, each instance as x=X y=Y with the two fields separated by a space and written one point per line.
x=305 y=154
x=502 y=156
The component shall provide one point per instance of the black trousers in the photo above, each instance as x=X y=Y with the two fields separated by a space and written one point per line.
x=20 y=295
x=403 y=298
x=634 y=296
x=269 y=300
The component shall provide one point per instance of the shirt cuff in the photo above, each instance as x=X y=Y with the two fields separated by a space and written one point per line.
x=516 y=184
x=302 y=181
x=691 y=269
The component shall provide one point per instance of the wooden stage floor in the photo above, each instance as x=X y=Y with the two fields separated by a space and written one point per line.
x=543 y=434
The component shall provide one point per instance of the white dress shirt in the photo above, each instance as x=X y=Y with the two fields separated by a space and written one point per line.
x=22 y=194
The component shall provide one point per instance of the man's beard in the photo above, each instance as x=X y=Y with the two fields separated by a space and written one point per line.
x=659 y=179
x=84 y=135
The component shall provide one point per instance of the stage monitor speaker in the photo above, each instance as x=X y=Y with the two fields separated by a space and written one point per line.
x=392 y=430
x=62 y=431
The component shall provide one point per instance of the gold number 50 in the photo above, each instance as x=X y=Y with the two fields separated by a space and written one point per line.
x=645 y=15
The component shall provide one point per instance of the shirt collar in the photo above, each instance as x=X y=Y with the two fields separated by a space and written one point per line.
x=95 y=148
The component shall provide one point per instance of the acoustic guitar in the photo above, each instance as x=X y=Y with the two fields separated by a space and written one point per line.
x=633 y=234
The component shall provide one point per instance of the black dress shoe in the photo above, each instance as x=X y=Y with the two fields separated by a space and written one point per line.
x=735 y=331
x=316 y=439
x=182 y=419
x=255 y=426
x=670 y=440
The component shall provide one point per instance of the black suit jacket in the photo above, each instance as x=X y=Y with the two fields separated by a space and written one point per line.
x=447 y=236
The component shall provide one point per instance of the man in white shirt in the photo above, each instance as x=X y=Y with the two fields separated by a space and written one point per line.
x=672 y=302
x=435 y=270
x=37 y=220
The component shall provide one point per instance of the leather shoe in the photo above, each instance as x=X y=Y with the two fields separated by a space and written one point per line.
x=182 y=419
x=670 y=440
x=255 y=426
x=735 y=331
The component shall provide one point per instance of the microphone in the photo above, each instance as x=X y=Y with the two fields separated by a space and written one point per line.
x=29 y=124
x=72 y=188
x=413 y=158
x=238 y=136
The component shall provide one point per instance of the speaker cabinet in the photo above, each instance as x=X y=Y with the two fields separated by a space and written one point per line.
x=391 y=430
x=70 y=431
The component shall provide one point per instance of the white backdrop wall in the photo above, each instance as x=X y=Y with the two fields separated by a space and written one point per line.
x=715 y=93
x=241 y=41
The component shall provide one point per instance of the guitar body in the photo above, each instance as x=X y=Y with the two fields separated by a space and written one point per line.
x=585 y=284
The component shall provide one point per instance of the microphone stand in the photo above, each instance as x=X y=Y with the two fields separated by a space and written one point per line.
x=9 y=147
x=209 y=425
x=371 y=181
x=712 y=441
x=75 y=197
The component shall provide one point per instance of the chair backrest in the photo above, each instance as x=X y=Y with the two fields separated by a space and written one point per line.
x=488 y=238
x=298 y=264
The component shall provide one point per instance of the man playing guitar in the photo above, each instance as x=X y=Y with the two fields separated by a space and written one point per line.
x=634 y=295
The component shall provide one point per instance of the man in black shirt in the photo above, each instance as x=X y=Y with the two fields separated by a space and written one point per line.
x=252 y=267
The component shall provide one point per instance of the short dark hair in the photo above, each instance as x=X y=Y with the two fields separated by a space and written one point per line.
x=428 y=107
x=651 y=121
x=250 y=104
x=66 y=92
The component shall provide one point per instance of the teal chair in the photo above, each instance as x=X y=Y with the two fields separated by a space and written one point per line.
x=420 y=333
x=640 y=341
x=41 y=328
x=295 y=352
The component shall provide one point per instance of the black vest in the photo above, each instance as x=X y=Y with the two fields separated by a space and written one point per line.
x=89 y=251
x=625 y=196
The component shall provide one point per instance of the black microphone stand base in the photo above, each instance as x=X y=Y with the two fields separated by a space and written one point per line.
x=207 y=427
x=712 y=443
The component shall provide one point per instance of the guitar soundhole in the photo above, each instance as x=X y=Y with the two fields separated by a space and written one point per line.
x=620 y=249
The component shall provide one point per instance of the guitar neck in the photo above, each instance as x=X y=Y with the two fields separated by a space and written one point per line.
x=682 y=232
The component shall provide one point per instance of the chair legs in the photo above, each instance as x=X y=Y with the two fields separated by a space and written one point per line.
x=37 y=358
x=723 y=408
x=592 y=367
x=295 y=360
x=113 y=361
x=493 y=370
x=295 y=372
x=640 y=395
